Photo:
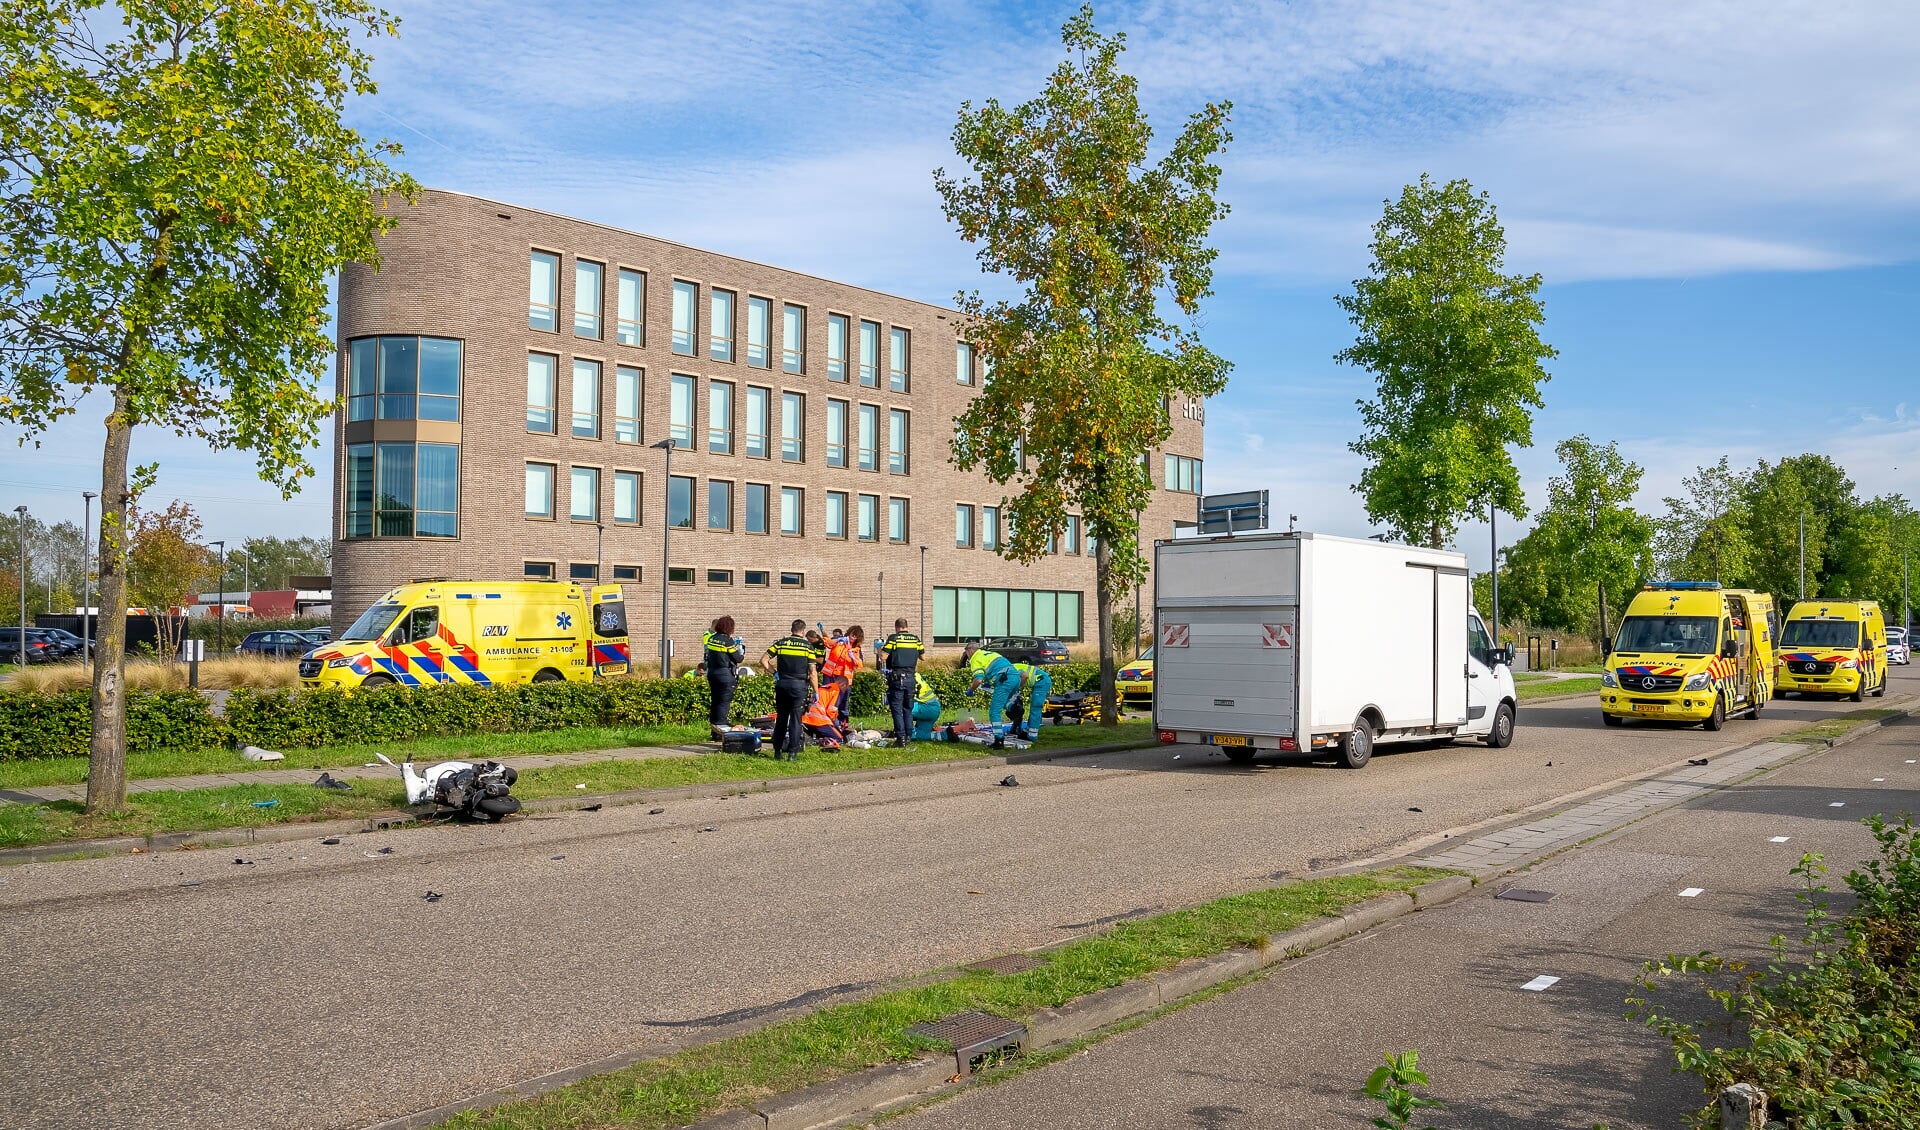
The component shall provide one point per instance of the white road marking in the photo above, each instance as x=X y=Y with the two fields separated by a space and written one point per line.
x=1693 y=892
x=1540 y=984
x=1838 y=804
x=1779 y=839
x=1877 y=780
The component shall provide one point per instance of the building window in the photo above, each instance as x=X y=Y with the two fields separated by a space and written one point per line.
x=399 y=368
x=720 y=417
x=587 y=296
x=963 y=526
x=1183 y=474
x=896 y=519
x=437 y=498
x=962 y=362
x=680 y=502
x=583 y=571
x=756 y=508
x=719 y=576
x=1053 y=544
x=403 y=378
x=626 y=405
x=627 y=573
x=756 y=578
x=793 y=339
x=586 y=399
x=990 y=527
x=680 y=410
x=537 y=570
x=719 y=504
x=897 y=432
x=792 y=502
x=585 y=500
x=363 y=367
x=626 y=498
x=869 y=437
x=897 y=360
x=793 y=580
x=439 y=379
x=961 y=614
x=393 y=481
x=539 y=490
x=870 y=354
x=680 y=574
x=359 y=491
x=400 y=490
x=868 y=525
x=759 y=420
x=836 y=433
x=759 y=332
x=1073 y=533
x=837 y=514
x=685 y=294
x=543 y=292
x=793 y=427
x=836 y=347
x=540 y=393
x=631 y=329
x=720 y=326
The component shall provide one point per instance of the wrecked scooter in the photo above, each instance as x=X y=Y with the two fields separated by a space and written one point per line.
x=478 y=790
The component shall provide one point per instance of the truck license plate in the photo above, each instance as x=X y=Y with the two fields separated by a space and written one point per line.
x=1228 y=739
x=1644 y=709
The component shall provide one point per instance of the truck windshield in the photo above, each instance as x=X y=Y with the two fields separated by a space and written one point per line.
x=1670 y=634
x=1821 y=633
x=372 y=624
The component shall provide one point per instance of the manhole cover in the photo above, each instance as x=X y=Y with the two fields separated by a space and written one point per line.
x=972 y=1034
x=1011 y=963
x=1523 y=894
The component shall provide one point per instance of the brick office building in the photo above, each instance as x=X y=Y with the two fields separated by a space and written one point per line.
x=503 y=375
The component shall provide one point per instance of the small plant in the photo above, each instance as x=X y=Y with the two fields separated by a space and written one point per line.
x=1392 y=1083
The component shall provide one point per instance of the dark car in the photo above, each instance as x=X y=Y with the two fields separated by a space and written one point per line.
x=70 y=645
x=317 y=635
x=39 y=648
x=279 y=645
x=1028 y=649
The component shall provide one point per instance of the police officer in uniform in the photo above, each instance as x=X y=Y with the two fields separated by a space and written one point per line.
x=900 y=657
x=794 y=683
x=722 y=654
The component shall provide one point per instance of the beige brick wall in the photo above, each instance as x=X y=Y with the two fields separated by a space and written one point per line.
x=456 y=266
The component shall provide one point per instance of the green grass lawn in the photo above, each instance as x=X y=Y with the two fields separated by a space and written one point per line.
x=845 y=1038
x=1549 y=688
x=194 y=810
x=1828 y=728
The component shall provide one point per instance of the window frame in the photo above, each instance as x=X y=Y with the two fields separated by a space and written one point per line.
x=681 y=574
x=898 y=505
x=724 y=390
x=597 y=315
x=766 y=509
x=552 y=305
x=676 y=430
x=899 y=441
x=837 y=368
x=625 y=425
x=833 y=497
x=692 y=482
x=799 y=496
x=899 y=359
x=765 y=434
x=765 y=581
x=553 y=393
x=963 y=536
x=690 y=347
x=639 y=481
x=573 y=493
x=553 y=475
x=867 y=458
x=630 y=331
x=963 y=363
x=726 y=525
x=719 y=345
x=762 y=307
x=638 y=574
x=867 y=518
x=537 y=570
x=868 y=350
x=793 y=338
x=597 y=371
x=793 y=426
x=725 y=577
x=840 y=411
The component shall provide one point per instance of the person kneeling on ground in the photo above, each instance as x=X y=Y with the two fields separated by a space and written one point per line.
x=821 y=725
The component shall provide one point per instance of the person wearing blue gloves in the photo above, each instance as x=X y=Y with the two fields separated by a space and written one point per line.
x=1036 y=686
x=995 y=672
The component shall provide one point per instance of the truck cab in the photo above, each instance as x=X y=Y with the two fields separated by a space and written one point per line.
x=1834 y=647
x=1690 y=651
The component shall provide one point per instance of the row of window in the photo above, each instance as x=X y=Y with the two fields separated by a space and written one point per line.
x=760 y=509
x=993 y=532
x=722 y=306
x=401 y=490
x=403 y=378
x=588 y=572
x=961 y=614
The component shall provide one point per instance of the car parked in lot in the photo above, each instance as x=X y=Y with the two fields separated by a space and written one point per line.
x=1028 y=649
x=1134 y=682
x=279 y=645
x=70 y=645
x=1899 y=647
x=39 y=648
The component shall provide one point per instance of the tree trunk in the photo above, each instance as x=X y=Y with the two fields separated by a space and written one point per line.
x=1103 y=613
x=107 y=753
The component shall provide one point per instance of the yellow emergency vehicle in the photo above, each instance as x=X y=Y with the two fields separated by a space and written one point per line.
x=1690 y=651
x=484 y=632
x=1834 y=647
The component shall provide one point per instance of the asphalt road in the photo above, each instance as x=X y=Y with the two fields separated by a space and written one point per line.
x=314 y=986
x=1294 y=1048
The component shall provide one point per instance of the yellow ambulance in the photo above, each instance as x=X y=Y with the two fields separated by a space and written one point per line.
x=1690 y=651
x=1834 y=647
x=485 y=632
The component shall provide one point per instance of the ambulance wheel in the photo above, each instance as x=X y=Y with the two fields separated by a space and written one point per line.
x=1859 y=692
x=548 y=675
x=1613 y=719
x=1757 y=704
x=377 y=681
x=1501 y=735
x=1881 y=690
x=1239 y=756
x=1357 y=749
x=1719 y=716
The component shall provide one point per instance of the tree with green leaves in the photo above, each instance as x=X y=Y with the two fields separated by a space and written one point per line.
x=176 y=189
x=1454 y=346
x=1106 y=243
x=166 y=566
x=1704 y=533
x=272 y=561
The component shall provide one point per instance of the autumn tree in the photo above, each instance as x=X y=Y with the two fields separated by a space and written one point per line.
x=166 y=565
x=176 y=190
x=1107 y=244
x=1454 y=346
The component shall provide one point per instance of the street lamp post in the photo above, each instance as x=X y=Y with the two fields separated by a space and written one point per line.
x=220 y=604
x=21 y=513
x=666 y=526
x=86 y=577
x=599 y=550
x=1493 y=539
x=1803 y=557
x=922 y=625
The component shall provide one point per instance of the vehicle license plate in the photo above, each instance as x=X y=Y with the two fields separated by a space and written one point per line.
x=1228 y=739
x=1639 y=709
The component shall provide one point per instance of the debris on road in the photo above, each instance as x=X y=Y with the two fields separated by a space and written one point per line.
x=1009 y=782
x=331 y=840
x=709 y=828
x=243 y=862
x=976 y=892
x=191 y=883
x=1541 y=984
x=432 y=896
x=329 y=781
x=1415 y=808
x=137 y=851
x=255 y=753
x=1693 y=892
x=1696 y=761
x=596 y=808
x=556 y=857
x=266 y=803
x=650 y=811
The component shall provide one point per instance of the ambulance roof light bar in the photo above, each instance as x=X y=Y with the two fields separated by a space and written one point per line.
x=1680 y=586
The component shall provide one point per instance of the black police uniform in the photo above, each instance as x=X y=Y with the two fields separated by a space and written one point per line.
x=901 y=654
x=793 y=660
x=723 y=657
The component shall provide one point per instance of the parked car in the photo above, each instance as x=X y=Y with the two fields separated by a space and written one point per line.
x=71 y=646
x=1899 y=648
x=1028 y=649
x=1134 y=682
x=317 y=635
x=279 y=645
x=39 y=648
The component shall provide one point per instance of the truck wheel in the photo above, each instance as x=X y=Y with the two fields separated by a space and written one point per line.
x=1613 y=719
x=1239 y=756
x=1501 y=736
x=548 y=675
x=1719 y=716
x=1357 y=750
x=377 y=681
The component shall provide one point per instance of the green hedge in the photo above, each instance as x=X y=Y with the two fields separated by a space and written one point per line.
x=58 y=725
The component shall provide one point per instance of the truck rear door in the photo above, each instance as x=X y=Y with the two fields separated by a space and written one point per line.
x=1227 y=618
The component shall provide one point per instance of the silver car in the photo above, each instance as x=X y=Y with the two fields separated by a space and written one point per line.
x=1898 y=650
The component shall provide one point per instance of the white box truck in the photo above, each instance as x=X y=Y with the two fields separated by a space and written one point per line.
x=1301 y=642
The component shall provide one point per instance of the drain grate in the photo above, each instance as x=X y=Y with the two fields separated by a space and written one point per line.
x=1011 y=963
x=1524 y=894
x=972 y=1034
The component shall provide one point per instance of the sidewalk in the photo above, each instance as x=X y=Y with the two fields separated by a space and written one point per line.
x=1292 y=1049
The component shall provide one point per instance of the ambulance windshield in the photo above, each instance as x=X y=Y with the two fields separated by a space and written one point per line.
x=1671 y=635
x=372 y=624
x=1821 y=633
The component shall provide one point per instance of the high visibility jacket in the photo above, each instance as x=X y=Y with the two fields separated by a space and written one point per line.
x=818 y=713
x=901 y=651
x=843 y=659
x=922 y=692
x=982 y=659
x=1027 y=674
x=722 y=652
x=792 y=657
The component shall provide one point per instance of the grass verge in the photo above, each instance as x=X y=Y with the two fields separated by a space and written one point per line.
x=1827 y=729
x=841 y=1039
x=1555 y=687
x=194 y=810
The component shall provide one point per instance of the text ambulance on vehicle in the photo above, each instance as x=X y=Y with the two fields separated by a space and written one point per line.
x=1690 y=651
x=1834 y=647
x=477 y=632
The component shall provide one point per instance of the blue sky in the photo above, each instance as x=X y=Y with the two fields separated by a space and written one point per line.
x=1724 y=199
